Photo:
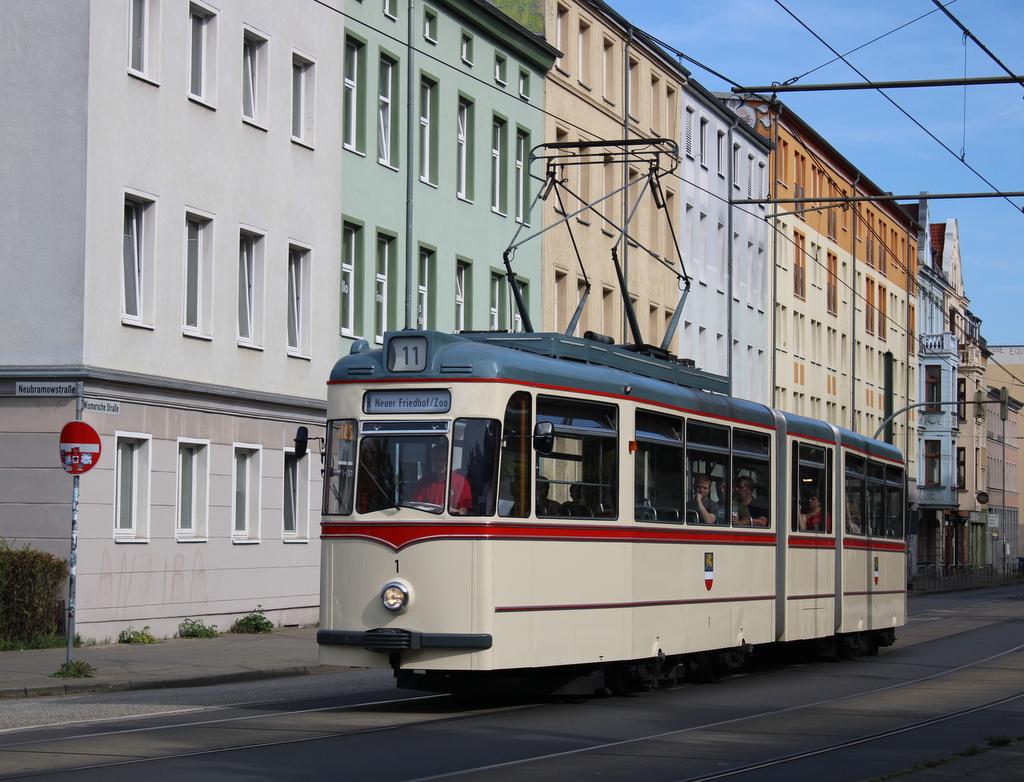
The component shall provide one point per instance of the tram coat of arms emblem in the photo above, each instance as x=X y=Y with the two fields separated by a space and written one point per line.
x=709 y=570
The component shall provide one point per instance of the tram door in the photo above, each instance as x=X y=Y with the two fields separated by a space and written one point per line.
x=812 y=550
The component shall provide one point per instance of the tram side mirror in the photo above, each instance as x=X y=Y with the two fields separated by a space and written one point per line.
x=301 y=441
x=544 y=437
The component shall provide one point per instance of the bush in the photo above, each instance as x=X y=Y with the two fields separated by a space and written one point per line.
x=256 y=622
x=29 y=581
x=194 y=628
x=131 y=636
x=76 y=669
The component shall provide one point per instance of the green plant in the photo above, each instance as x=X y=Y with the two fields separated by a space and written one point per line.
x=29 y=582
x=998 y=741
x=971 y=750
x=194 y=628
x=256 y=622
x=75 y=669
x=53 y=641
x=130 y=636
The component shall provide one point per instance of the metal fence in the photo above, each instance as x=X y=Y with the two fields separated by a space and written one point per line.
x=932 y=579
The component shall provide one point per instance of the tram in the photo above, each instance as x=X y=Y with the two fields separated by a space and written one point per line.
x=530 y=507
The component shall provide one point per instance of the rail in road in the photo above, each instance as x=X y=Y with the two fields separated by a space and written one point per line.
x=955 y=676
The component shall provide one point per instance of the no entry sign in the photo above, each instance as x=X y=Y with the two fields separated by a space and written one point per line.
x=79 y=447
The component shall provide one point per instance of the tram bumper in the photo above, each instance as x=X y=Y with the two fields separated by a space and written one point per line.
x=392 y=639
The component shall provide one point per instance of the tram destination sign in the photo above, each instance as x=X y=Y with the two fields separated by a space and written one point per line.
x=391 y=402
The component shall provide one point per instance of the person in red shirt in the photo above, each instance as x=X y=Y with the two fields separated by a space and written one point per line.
x=430 y=488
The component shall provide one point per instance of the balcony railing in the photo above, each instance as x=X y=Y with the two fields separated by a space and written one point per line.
x=943 y=344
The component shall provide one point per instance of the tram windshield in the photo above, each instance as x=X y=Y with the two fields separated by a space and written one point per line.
x=431 y=466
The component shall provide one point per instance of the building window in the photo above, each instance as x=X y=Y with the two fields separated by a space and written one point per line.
x=522 y=181
x=496 y=308
x=932 y=387
x=303 y=73
x=353 y=108
x=608 y=70
x=295 y=497
x=721 y=153
x=351 y=259
x=583 y=54
x=380 y=303
x=500 y=69
x=498 y=142
x=634 y=87
x=245 y=505
x=832 y=289
x=869 y=306
x=688 y=130
x=298 y=304
x=193 y=488
x=198 y=274
x=466 y=48
x=430 y=25
x=883 y=316
x=524 y=85
x=391 y=9
x=464 y=150
x=202 y=54
x=961 y=396
x=461 y=279
x=386 y=82
x=933 y=462
x=424 y=310
x=561 y=34
x=961 y=468
x=131 y=486
x=254 y=78
x=428 y=143
x=799 y=265
x=250 y=287
x=143 y=32
x=137 y=261
x=702 y=140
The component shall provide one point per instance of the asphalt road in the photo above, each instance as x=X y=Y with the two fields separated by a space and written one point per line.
x=954 y=681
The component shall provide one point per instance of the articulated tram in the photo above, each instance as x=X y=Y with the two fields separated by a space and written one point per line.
x=501 y=507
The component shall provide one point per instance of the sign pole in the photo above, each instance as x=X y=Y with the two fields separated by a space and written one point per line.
x=71 y=574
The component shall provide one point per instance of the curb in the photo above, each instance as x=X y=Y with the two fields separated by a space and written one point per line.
x=79 y=687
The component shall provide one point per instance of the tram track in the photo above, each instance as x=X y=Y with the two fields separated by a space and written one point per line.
x=409 y=713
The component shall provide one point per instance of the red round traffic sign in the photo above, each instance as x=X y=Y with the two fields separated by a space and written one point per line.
x=79 y=447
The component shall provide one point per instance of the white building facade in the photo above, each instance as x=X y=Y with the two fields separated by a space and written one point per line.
x=171 y=231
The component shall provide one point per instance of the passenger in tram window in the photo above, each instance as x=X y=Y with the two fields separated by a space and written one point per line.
x=707 y=509
x=853 y=519
x=545 y=505
x=812 y=517
x=748 y=510
x=575 y=506
x=430 y=488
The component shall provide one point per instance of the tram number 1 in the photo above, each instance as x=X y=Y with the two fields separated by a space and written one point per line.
x=396 y=565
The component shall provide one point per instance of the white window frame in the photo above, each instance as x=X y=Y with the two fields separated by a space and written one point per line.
x=295 y=494
x=202 y=54
x=197 y=282
x=688 y=132
x=249 y=313
x=463 y=151
x=495 y=301
x=138 y=249
x=702 y=141
x=425 y=274
x=385 y=115
x=391 y=9
x=524 y=84
x=255 y=46
x=303 y=98
x=299 y=291
x=521 y=194
x=193 y=478
x=144 y=39
x=428 y=93
x=466 y=48
x=430 y=25
x=498 y=133
x=350 y=260
x=246 y=459
x=380 y=304
x=500 y=69
x=350 y=98
x=461 y=275
x=132 y=453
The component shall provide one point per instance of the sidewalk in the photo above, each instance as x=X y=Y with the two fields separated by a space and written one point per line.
x=178 y=662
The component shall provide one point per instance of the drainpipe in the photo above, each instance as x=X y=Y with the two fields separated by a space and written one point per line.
x=410 y=173
x=730 y=184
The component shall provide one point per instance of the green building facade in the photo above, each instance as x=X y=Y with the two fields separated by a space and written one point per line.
x=439 y=118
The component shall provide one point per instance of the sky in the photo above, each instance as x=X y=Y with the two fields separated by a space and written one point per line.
x=761 y=42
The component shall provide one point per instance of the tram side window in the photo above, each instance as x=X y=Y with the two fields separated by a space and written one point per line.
x=751 y=479
x=812 y=471
x=516 y=447
x=657 y=482
x=340 y=459
x=474 y=458
x=894 y=506
x=581 y=471
x=854 y=512
x=707 y=466
x=876 y=499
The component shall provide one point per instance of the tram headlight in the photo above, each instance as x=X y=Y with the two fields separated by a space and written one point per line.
x=395 y=597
